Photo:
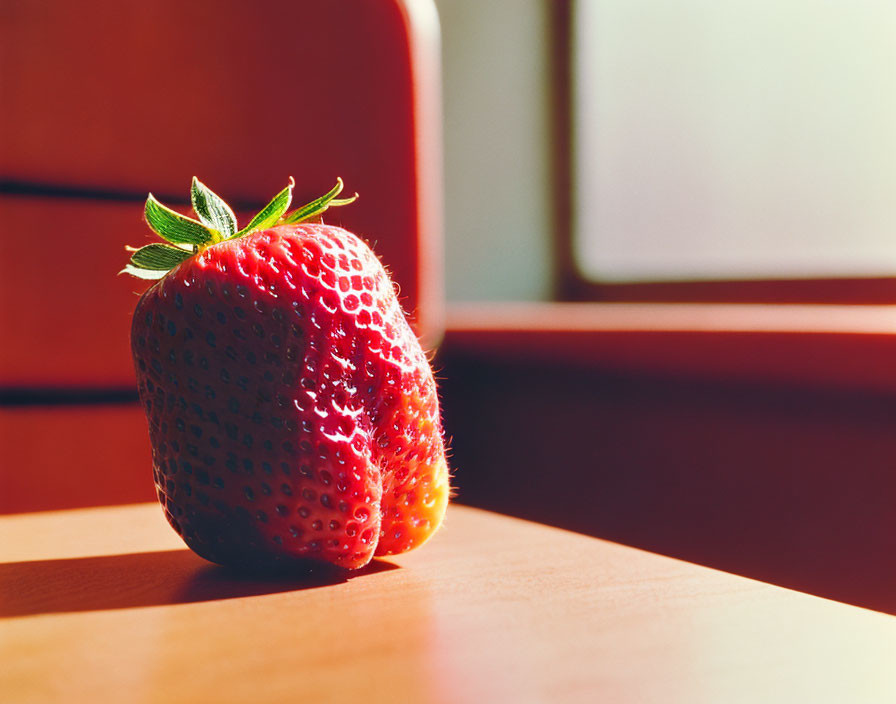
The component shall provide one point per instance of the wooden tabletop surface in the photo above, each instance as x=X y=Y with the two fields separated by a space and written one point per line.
x=106 y=605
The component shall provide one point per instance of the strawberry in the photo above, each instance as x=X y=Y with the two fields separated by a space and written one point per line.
x=292 y=413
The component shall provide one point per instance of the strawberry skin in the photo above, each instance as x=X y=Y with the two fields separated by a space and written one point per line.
x=292 y=412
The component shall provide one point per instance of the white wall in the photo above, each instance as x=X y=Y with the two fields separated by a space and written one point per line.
x=497 y=133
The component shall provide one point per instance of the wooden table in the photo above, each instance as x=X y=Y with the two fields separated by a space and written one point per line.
x=106 y=605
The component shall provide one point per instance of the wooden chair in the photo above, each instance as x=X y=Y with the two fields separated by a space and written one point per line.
x=106 y=101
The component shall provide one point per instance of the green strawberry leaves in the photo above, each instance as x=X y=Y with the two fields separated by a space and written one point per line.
x=318 y=206
x=174 y=227
x=272 y=212
x=216 y=223
x=159 y=256
x=214 y=213
x=155 y=260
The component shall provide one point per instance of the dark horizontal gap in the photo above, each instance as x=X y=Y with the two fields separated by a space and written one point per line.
x=18 y=397
x=46 y=190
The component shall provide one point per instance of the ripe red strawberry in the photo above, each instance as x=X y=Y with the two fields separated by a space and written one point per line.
x=292 y=412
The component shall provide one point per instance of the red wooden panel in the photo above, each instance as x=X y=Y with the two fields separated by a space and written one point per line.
x=65 y=457
x=820 y=345
x=65 y=313
x=131 y=97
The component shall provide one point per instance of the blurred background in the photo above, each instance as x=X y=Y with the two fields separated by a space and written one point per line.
x=651 y=244
x=498 y=102
x=703 y=142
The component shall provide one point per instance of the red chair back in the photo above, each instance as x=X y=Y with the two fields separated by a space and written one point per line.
x=106 y=101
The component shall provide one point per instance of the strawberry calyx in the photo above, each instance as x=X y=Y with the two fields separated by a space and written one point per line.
x=185 y=237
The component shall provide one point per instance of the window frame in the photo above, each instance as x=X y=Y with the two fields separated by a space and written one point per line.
x=571 y=284
x=835 y=333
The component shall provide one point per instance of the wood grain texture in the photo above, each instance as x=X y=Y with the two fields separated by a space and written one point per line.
x=106 y=605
